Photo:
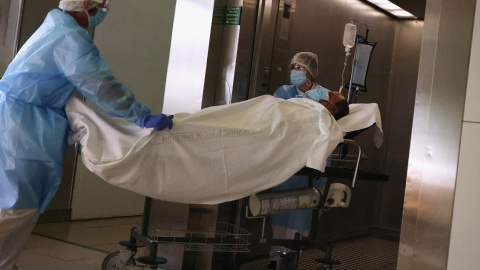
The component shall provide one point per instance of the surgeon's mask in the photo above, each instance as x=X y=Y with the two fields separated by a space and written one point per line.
x=298 y=77
x=94 y=21
x=318 y=94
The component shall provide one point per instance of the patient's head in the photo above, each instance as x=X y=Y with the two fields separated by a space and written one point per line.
x=337 y=105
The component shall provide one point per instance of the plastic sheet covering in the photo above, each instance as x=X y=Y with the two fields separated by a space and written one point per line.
x=219 y=154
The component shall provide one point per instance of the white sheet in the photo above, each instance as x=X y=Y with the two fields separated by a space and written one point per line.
x=219 y=154
x=363 y=115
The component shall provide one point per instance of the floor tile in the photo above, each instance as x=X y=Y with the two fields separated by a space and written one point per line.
x=100 y=235
x=69 y=252
x=94 y=263
x=36 y=241
x=31 y=258
x=82 y=245
x=59 y=230
x=133 y=221
x=58 y=266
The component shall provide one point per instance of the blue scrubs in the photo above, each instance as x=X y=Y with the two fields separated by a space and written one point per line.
x=59 y=58
x=296 y=220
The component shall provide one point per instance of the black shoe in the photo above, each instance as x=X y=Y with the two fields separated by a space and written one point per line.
x=272 y=265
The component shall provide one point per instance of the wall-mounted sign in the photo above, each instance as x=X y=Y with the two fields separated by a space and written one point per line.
x=218 y=15
x=232 y=15
x=226 y=15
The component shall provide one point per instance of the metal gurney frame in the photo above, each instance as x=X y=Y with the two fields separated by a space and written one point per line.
x=301 y=243
x=140 y=237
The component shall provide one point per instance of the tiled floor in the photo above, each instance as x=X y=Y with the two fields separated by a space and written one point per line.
x=82 y=245
x=365 y=253
x=78 y=245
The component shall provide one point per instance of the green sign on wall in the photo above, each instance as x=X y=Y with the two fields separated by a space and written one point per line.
x=232 y=15
x=226 y=15
x=218 y=15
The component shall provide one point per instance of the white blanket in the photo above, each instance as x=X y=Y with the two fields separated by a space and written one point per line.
x=218 y=154
x=361 y=116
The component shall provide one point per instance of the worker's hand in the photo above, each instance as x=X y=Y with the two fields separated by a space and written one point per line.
x=158 y=121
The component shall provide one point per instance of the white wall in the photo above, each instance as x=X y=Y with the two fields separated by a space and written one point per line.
x=9 y=20
x=465 y=236
x=135 y=40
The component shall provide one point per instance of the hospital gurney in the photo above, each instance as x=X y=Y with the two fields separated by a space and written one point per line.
x=224 y=238
x=231 y=238
x=332 y=195
x=116 y=152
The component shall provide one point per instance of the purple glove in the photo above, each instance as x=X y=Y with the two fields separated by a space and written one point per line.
x=158 y=121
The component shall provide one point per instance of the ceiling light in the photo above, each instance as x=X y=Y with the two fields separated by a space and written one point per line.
x=392 y=9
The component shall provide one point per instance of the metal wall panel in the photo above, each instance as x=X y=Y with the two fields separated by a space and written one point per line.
x=188 y=56
x=436 y=135
x=184 y=92
x=399 y=117
x=263 y=46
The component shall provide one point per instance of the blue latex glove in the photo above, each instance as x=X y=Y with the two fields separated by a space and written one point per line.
x=158 y=121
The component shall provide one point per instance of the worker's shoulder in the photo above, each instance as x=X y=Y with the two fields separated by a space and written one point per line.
x=59 y=23
x=286 y=91
x=286 y=87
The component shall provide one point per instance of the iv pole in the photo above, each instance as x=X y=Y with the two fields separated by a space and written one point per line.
x=350 y=95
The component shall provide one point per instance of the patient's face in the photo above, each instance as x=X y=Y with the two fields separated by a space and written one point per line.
x=333 y=97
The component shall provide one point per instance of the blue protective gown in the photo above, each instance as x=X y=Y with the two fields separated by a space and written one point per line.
x=296 y=220
x=57 y=59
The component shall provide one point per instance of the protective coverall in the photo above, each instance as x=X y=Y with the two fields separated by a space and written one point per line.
x=59 y=58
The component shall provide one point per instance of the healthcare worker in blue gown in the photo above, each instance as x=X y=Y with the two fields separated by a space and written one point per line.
x=304 y=68
x=57 y=59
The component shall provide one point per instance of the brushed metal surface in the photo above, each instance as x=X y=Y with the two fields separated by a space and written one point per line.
x=187 y=68
x=231 y=35
x=436 y=135
x=263 y=46
x=188 y=56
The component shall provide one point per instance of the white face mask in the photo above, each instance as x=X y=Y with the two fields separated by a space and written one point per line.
x=298 y=77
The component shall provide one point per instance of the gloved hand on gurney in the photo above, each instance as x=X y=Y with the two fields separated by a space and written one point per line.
x=158 y=121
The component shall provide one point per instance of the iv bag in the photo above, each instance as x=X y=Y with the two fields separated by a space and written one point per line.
x=363 y=53
x=349 y=35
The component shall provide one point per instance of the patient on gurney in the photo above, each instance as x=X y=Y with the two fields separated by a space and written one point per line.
x=218 y=154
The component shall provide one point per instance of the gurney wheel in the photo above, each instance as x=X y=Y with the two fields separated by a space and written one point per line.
x=110 y=261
